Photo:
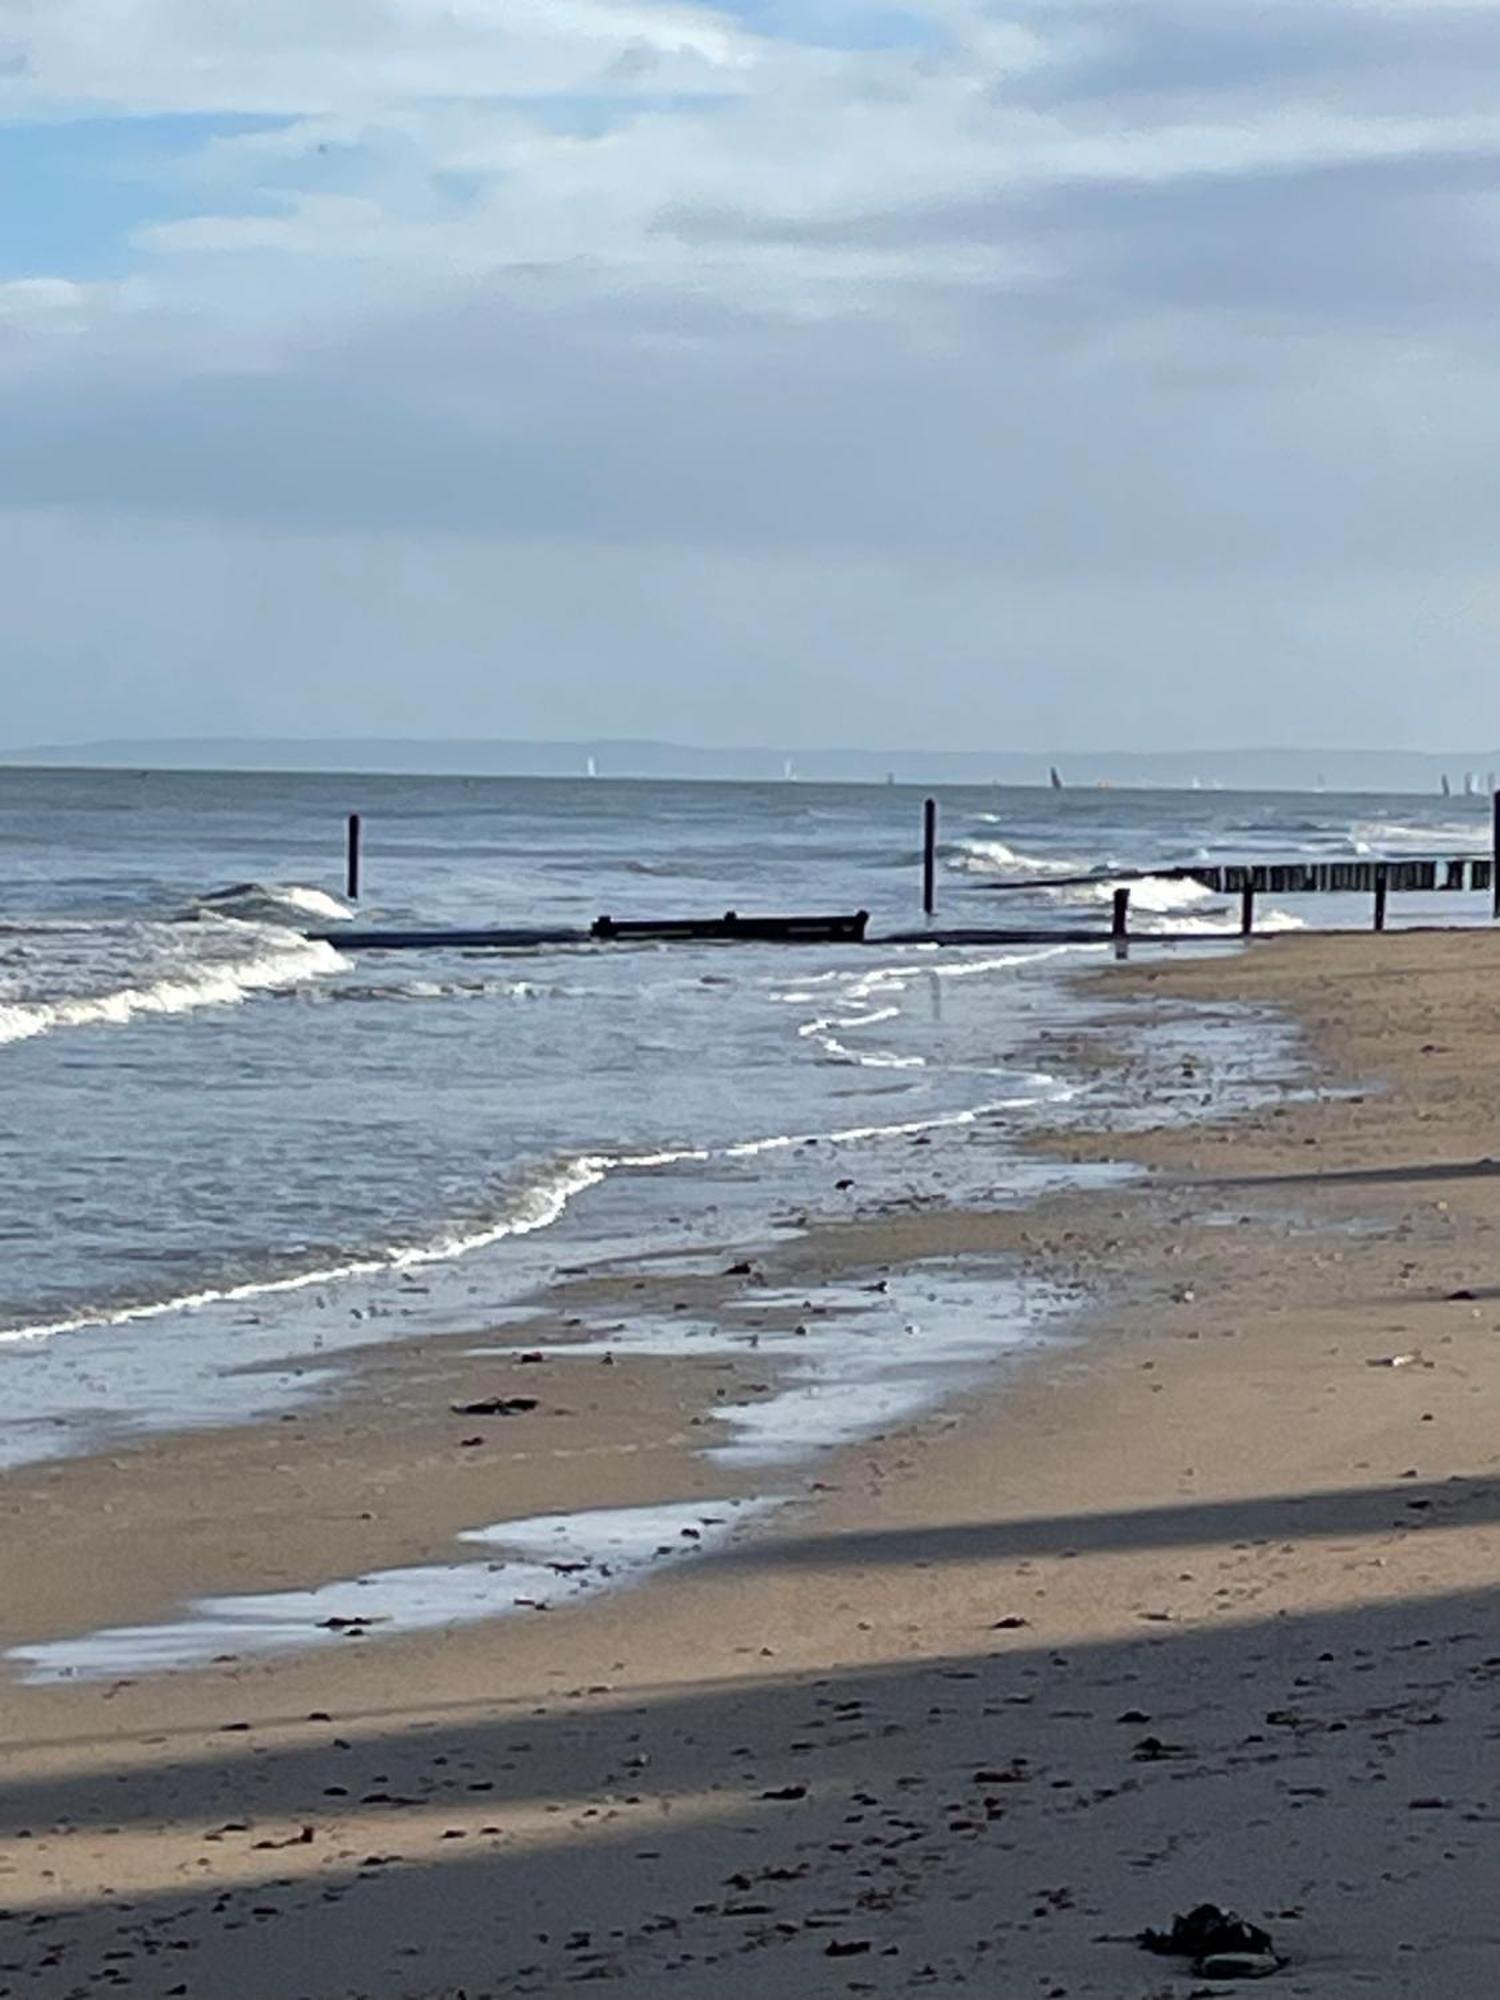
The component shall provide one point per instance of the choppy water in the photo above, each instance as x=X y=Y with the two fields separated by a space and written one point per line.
x=225 y=1146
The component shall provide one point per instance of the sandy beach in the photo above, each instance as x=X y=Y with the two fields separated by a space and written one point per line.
x=1197 y=1603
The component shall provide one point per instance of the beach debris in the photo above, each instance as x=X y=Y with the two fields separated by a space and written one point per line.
x=496 y=1406
x=1238 y=1965
x=1221 y=1944
x=1413 y=1360
x=1011 y=1623
x=1151 y=1750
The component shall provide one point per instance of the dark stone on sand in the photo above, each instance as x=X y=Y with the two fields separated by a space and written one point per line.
x=787 y=1792
x=1207 y=1933
x=496 y=1406
x=1151 y=1750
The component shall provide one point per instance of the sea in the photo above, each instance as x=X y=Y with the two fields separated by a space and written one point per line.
x=233 y=1152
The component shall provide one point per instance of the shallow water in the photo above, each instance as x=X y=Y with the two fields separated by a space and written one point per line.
x=535 y=1564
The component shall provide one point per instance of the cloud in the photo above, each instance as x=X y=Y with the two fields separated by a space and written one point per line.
x=1080 y=309
x=281 y=57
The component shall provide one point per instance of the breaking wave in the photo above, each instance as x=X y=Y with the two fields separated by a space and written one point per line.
x=259 y=902
x=129 y=971
x=995 y=857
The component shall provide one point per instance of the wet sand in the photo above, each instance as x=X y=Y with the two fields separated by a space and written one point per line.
x=1198 y=1606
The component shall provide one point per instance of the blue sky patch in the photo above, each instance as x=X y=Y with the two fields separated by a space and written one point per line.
x=839 y=24
x=71 y=192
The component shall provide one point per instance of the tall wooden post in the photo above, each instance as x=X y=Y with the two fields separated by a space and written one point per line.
x=1120 y=928
x=929 y=857
x=1382 y=884
x=1495 y=857
x=1247 y=908
x=351 y=868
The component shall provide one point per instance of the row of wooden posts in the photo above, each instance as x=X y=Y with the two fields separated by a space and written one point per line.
x=1377 y=877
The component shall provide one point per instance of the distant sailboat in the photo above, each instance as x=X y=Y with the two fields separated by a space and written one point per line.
x=1447 y=788
x=1057 y=783
x=787 y=770
x=593 y=768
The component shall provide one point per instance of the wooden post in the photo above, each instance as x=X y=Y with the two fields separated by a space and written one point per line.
x=1495 y=858
x=351 y=869
x=1247 y=909
x=1121 y=925
x=929 y=857
x=1382 y=884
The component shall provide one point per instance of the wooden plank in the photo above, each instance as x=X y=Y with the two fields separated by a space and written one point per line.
x=347 y=939
x=847 y=928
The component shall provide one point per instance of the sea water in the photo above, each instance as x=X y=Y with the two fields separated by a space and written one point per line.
x=229 y=1152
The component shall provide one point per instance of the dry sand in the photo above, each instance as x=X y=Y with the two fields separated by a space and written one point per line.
x=1200 y=1607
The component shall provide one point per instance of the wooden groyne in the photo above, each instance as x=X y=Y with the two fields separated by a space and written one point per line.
x=349 y=937
x=1379 y=877
x=731 y=926
x=1457 y=873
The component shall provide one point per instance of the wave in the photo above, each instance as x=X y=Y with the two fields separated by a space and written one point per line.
x=1158 y=894
x=536 y=1206
x=996 y=857
x=1379 y=836
x=1227 y=921
x=274 y=960
x=446 y=989
x=260 y=902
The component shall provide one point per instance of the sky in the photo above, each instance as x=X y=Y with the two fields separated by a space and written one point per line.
x=1048 y=372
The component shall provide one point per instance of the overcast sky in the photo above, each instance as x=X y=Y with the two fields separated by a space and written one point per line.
x=1100 y=372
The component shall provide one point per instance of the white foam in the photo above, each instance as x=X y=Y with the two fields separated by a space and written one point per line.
x=995 y=857
x=536 y=1207
x=260 y=900
x=563 y=1557
x=274 y=960
x=547 y=1197
x=1454 y=836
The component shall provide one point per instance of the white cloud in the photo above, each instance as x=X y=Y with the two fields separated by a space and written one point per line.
x=1059 y=328
x=286 y=57
x=428 y=147
x=52 y=304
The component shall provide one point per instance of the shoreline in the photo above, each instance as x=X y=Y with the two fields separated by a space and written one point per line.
x=1176 y=1517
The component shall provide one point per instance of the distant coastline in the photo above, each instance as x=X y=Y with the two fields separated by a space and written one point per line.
x=1410 y=771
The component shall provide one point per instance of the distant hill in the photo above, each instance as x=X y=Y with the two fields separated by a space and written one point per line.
x=1410 y=771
